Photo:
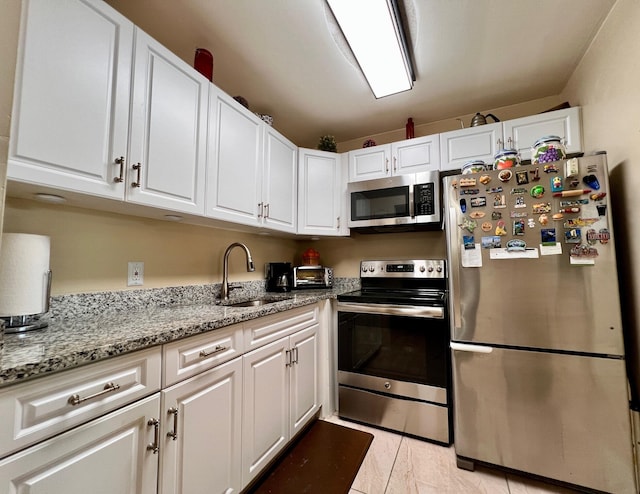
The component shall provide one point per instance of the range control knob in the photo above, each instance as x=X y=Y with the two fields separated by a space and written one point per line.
x=422 y=269
x=430 y=269
x=364 y=269
x=439 y=269
x=372 y=268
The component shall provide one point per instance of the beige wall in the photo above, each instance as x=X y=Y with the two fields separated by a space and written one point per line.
x=606 y=85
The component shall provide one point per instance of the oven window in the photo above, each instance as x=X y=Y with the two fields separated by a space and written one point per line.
x=380 y=203
x=394 y=347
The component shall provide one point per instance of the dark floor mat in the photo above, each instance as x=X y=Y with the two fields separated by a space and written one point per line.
x=325 y=460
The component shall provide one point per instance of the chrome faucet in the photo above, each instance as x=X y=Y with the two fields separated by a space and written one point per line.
x=224 y=294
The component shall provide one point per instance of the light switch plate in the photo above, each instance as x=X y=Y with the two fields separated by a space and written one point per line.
x=136 y=273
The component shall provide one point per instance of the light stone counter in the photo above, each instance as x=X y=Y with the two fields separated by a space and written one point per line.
x=88 y=328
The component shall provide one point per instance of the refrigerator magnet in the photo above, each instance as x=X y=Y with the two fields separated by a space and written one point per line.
x=468 y=242
x=556 y=184
x=518 y=227
x=491 y=242
x=535 y=174
x=500 y=228
x=542 y=207
x=548 y=236
x=520 y=202
x=522 y=178
x=573 y=236
x=499 y=201
x=478 y=202
x=537 y=191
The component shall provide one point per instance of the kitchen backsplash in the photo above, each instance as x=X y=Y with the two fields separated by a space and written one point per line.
x=100 y=303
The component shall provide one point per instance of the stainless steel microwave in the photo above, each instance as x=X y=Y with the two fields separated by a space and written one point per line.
x=404 y=200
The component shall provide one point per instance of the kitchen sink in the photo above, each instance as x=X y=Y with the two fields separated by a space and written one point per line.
x=252 y=303
x=257 y=302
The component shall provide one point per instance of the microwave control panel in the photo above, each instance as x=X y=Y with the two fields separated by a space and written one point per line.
x=424 y=199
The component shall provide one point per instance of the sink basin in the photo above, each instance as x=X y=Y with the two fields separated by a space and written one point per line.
x=257 y=302
x=252 y=303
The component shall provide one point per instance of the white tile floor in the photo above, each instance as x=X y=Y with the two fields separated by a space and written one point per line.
x=397 y=464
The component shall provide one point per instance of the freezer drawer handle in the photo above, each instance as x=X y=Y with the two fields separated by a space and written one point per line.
x=470 y=348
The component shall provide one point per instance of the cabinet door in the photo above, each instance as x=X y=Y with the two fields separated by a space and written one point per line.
x=203 y=413
x=304 y=377
x=103 y=456
x=71 y=102
x=416 y=155
x=280 y=185
x=370 y=163
x=319 y=193
x=234 y=162
x=166 y=165
x=475 y=143
x=522 y=133
x=265 y=421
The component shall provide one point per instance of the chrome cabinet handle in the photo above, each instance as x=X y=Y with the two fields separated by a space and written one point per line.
x=266 y=206
x=338 y=222
x=155 y=423
x=510 y=143
x=295 y=351
x=288 y=357
x=395 y=164
x=137 y=183
x=499 y=142
x=76 y=400
x=120 y=161
x=216 y=349
x=173 y=434
x=386 y=167
x=260 y=209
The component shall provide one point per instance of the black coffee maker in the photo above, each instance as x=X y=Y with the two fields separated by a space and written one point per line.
x=278 y=276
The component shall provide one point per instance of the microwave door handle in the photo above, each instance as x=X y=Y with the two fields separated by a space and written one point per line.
x=412 y=212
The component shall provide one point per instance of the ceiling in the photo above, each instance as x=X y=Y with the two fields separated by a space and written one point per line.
x=288 y=58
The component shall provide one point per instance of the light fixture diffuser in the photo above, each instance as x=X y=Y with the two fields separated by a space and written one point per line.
x=374 y=33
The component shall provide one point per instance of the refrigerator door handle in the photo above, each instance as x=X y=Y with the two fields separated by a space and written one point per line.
x=463 y=347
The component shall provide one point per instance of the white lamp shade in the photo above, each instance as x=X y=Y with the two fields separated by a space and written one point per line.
x=24 y=271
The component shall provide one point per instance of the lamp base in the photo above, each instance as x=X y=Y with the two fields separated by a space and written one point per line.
x=21 y=324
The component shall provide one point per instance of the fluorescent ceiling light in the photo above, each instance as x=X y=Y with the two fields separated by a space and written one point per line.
x=372 y=29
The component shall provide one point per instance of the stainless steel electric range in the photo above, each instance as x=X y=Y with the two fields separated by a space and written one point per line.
x=394 y=367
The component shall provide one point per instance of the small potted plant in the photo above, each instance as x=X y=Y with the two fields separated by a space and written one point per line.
x=328 y=143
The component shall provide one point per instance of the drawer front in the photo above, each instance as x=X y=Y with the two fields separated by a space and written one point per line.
x=41 y=408
x=190 y=356
x=263 y=330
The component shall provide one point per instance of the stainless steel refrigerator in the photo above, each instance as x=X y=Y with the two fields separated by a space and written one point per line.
x=539 y=374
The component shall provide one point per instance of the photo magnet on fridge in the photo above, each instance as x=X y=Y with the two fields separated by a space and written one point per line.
x=468 y=242
x=548 y=236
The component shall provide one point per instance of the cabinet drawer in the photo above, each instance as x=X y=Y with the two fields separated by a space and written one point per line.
x=39 y=409
x=190 y=356
x=264 y=330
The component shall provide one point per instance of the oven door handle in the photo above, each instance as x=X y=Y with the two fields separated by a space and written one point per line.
x=393 y=310
x=464 y=347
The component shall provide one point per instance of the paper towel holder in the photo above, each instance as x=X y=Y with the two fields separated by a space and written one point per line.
x=30 y=322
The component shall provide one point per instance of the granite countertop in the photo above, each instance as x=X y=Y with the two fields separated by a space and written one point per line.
x=94 y=334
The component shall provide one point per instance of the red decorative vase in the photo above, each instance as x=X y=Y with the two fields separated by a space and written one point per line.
x=203 y=63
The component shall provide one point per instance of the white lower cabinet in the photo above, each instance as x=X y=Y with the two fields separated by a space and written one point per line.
x=200 y=434
x=216 y=420
x=107 y=455
x=280 y=397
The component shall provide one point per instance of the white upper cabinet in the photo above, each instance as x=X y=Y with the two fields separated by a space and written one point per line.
x=92 y=117
x=234 y=162
x=168 y=138
x=420 y=154
x=71 y=101
x=399 y=158
x=321 y=193
x=369 y=163
x=251 y=168
x=522 y=133
x=475 y=143
x=280 y=182
x=484 y=141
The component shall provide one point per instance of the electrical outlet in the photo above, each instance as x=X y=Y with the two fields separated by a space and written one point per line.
x=136 y=273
